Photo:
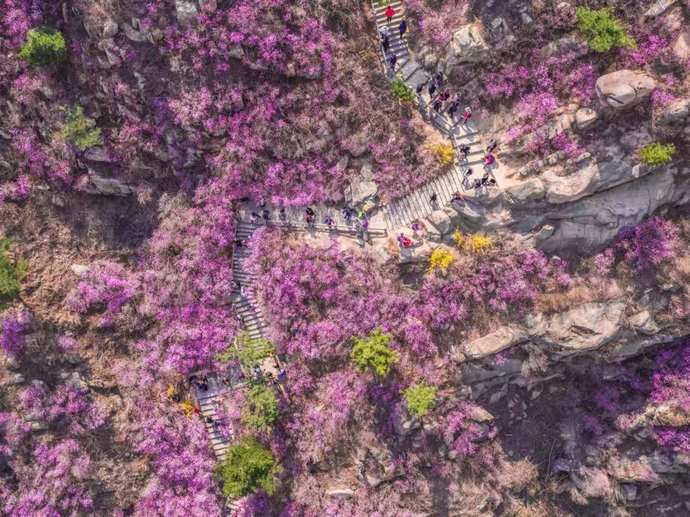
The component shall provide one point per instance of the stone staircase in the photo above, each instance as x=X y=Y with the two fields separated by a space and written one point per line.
x=418 y=204
x=294 y=220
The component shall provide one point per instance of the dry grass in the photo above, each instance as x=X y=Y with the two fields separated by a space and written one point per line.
x=608 y=289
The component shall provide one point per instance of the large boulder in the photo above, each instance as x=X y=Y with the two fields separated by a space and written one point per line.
x=585 y=327
x=624 y=89
x=467 y=46
x=108 y=186
x=681 y=47
x=673 y=119
x=585 y=118
x=186 y=11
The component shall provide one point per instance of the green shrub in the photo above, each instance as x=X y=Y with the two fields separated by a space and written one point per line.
x=261 y=410
x=602 y=30
x=401 y=91
x=420 y=398
x=373 y=352
x=43 y=47
x=10 y=274
x=80 y=130
x=250 y=352
x=657 y=154
x=248 y=466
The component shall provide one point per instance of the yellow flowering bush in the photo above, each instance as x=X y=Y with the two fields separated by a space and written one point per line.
x=480 y=243
x=443 y=153
x=440 y=259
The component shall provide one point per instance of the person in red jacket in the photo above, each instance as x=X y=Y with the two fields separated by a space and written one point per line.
x=390 y=12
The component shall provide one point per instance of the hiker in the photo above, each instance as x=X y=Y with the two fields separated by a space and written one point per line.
x=282 y=215
x=405 y=242
x=392 y=60
x=466 y=115
x=453 y=108
x=403 y=28
x=489 y=160
x=464 y=152
x=384 y=32
x=432 y=88
x=493 y=144
x=390 y=12
x=282 y=375
x=437 y=105
x=386 y=43
x=457 y=197
x=445 y=95
x=238 y=243
x=309 y=216
x=438 y=79
x=328 y=220
x=420 y=87
x=266 y=215
x=433 y=199
x=361 y=215
x=254 y=218
x=238 y=285
x=347 y=215
x=262 y=203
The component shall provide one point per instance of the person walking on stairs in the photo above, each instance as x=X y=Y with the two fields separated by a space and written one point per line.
x=392 y=60
x=390 y=12
x=438 y=79
x=432 y=88
x=466 y=115
x=282 y=215
x=493 y=144
x=464 y=152
x=433 y=200
x=309 y=216
x=386 y=44
x=403 y=28
x=453 y=109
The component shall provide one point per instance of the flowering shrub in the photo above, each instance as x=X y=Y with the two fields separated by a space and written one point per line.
x=460 y=432
x=106 y=287
x=12 y=329
x=648 y=244
x=440 y=259
x=671 y=390
x=444 y=154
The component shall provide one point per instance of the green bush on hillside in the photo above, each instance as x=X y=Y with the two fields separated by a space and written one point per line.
x=261 y=410
x=80 y=130
x=373 y=352
x=401 y=91
x=602 y=30
x=420 y=398
x=43 y=47
x=10 y=274
x=657 y=154
x=248 y=466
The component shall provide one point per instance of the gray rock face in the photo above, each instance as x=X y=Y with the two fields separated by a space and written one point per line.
x=585 y=327
x=624 y=89
x=673 y=120
x=363 y=190
x=681 y=46
x=186 y=11
x=585 y=118
x=467 y=46
x=658 y=7
x=98 y=154
x=595 y=220
x=495 y=342
x=108 y=186
x=441 y=221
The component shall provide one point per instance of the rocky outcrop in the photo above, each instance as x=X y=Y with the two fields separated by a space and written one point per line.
x=585 y=118
x=95 y=184
x=673 y=121
x=681 y=46
x=624 y=89
x=467 y=46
